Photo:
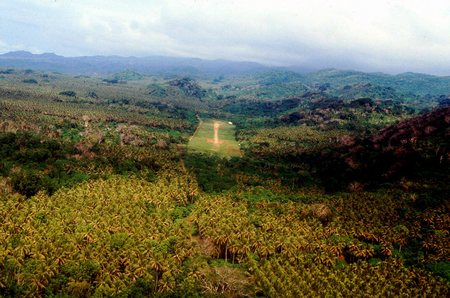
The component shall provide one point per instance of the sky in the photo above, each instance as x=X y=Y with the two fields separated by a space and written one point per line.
x=390 y=36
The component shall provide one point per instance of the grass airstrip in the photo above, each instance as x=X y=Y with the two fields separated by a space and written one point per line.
x=216 y=137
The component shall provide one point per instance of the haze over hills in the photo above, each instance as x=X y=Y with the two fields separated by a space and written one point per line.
x=405 y=83
x=111 y=64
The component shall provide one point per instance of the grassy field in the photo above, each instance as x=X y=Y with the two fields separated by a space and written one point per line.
x=214 y=136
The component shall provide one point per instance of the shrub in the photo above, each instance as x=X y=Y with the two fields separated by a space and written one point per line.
x=68 y=93
x=30 y=81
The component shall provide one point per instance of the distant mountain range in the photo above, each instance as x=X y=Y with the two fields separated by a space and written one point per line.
x=406 y=83
x=111 y=64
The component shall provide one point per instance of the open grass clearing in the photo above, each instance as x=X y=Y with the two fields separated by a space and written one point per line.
x=215 y=136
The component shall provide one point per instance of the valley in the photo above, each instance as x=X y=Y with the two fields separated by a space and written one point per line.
x=264 y=182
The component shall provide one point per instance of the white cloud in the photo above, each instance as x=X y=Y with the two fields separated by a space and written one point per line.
x=389 y=35
x=3 y=46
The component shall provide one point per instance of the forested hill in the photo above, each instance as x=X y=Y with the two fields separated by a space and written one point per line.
x=405 y=83
x=345 y=81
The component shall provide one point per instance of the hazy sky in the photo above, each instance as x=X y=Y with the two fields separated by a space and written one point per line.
x=374 y=35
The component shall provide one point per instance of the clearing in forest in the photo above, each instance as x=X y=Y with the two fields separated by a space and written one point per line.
x=215 y=136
